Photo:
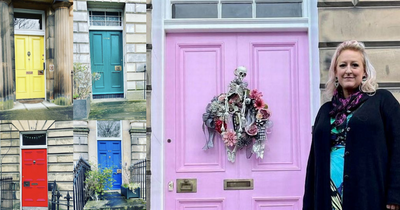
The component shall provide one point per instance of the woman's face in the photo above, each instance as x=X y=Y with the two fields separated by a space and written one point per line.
x=350 y=70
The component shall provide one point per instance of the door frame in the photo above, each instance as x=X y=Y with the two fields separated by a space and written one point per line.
x=22 y=147
x=111 y=28
x=121 y=139
x=163 y=24
x=35 y=33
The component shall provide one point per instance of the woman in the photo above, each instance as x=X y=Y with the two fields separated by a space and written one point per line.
x=354 y=162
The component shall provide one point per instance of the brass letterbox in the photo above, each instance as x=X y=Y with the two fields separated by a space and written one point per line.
x=118 y=68
x=186 y=185
x=238 y=184
x=119 y=171
x=40 y=72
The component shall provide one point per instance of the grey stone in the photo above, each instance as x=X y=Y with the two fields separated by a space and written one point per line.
x=81 y=37
x=140 y=85
x=136 y=57
x=140 y=67
x=130 y=28
x=75 y=48
x=130 y=48
x=80 y=16
x=84 y=48
x=130 y=7
x=81 y=5
x=141 y=8
x=75 y=26
x=83 y=27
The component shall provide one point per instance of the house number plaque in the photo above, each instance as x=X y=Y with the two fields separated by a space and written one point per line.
x=118 y=68
x=29 y=72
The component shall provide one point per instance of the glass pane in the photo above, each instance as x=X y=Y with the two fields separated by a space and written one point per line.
x=108 y=129
x=27 y=21
x=33 y=139
x=265 y=10
x=236 y=11
x=194 y=11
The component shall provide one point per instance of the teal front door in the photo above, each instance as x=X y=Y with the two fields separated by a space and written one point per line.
x=106 y=60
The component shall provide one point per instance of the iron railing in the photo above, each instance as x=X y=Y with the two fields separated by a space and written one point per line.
x=80 y=196
x=138 y=175
x=55 y=198
x=6 y=193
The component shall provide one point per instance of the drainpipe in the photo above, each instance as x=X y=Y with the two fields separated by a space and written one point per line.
x=149 y=8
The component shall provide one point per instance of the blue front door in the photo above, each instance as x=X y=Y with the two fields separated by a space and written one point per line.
x=106 y=59
x=109 y=155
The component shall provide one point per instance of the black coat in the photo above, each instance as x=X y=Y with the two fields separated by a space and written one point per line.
x=372 y=157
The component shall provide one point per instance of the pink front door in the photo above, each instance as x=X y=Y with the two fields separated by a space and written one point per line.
x=200 y=66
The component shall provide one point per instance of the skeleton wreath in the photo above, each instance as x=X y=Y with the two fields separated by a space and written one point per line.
x=240 y=116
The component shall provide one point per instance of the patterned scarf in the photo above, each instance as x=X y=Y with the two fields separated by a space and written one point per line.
x=344 y=106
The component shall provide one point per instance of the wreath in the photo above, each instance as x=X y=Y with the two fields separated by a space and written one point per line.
x=245 y=111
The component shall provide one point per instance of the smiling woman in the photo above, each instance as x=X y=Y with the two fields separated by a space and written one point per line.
x=354 y=161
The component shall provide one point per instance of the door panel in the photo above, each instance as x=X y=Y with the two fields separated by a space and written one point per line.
x=29 y=51
x=106 y=54
x=199 y=67
x=109 y=155
x=29 y=59
x=34 y=172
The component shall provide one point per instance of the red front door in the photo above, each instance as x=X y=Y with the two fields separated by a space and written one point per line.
x=34 y=178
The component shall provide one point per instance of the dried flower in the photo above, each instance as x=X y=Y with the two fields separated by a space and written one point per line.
x=221 y=98
x=259 y=103
x=263 y=114
x=255 y=94
x=229 y=138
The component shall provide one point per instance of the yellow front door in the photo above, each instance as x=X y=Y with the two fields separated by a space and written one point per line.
x=29 y=71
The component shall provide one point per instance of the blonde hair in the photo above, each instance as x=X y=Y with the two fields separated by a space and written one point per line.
x=369 y=86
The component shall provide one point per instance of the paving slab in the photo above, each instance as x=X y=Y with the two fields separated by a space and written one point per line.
x=18 y=106
x=35 y=106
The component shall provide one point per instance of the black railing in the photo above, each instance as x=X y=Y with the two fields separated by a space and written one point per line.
x=80 y=195
x=55 y=198
x=138 y=175
x=6 y=193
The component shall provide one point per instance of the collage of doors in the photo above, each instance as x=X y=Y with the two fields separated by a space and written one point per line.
x=119 y=104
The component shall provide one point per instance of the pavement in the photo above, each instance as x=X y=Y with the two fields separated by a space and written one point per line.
x=37 y=111
x=117 y=109
x=115 y=201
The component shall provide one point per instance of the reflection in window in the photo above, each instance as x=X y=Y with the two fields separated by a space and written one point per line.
x=26 y=21
x=33 y=139
x=267 y=10
x=98 y=18
x=108 y=129
x=194 y=10
x=236 y=10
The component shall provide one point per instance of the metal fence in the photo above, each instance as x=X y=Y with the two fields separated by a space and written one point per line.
x=138 y=175
x=55 y=198
x=80 y=196
x=6 y=193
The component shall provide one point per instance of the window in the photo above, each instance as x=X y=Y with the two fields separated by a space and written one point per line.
x=33 y=139
x=108 y=129
x=27 y=21
x=237 y=9
x=98 y=18
x=194 y=10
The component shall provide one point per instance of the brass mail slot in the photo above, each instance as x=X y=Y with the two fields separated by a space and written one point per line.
x=238 y=184
x=119 y=171
x=186 y=185
x=34 y=183
x=118 y=68
x=29 y=72
x=40 y=72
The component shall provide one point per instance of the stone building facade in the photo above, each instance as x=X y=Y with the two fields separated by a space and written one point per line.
x=376 y=23
x=54 y=139
x=125 y=20
x=36 y=51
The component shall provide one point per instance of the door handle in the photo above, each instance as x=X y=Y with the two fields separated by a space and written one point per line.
x=44 y=66
x=171 y=186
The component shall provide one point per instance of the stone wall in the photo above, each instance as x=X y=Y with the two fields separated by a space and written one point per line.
x=376 y=23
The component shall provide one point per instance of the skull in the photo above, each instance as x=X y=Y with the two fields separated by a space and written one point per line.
x=240 y=72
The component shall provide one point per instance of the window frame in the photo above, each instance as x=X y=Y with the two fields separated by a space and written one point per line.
x=33 y=146
x=106 y=28
x=109 y=138
x=31 y=32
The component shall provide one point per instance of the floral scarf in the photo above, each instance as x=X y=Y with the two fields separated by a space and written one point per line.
x=344 y=106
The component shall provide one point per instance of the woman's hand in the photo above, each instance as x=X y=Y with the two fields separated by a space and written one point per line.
x=393 y=206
